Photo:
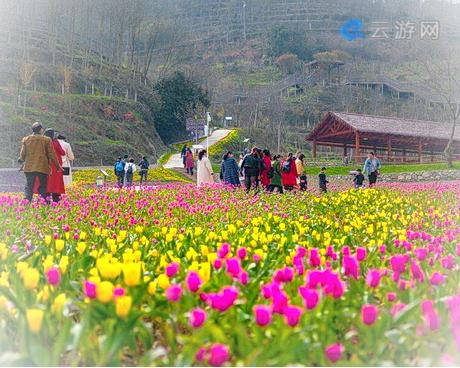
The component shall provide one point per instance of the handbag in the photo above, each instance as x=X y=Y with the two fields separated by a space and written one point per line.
x=66 y=171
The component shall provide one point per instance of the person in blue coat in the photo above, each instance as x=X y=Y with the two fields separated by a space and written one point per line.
x=229 y=170
x=372 y=168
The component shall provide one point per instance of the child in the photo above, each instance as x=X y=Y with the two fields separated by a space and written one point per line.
x=358 y=179
x=323 y=180
x=303 y=182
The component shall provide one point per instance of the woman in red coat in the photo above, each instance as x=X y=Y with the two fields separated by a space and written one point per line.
x=266 y=158
x=289 y=173
x=55 y=184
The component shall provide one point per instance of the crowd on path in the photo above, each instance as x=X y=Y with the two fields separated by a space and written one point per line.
x=46 y=158
x=259 y=169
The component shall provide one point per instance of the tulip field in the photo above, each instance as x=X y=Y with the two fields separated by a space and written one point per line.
x=176 y=276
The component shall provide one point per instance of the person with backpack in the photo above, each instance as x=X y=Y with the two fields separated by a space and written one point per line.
x=143 y=170
x=130 y=169
x=250 y=167
x=267 y=170
x=229 y=170
x=300 y=172
x=289 y=172
x=119 y=170
x=275 y=173
x=372 y=169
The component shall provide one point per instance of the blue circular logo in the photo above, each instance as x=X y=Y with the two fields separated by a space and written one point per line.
x=352 y=29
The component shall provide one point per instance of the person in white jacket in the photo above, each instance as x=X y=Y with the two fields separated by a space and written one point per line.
x=204 y=170
x=67 y=159
x=130 y=169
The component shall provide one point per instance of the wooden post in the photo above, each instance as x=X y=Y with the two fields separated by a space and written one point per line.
x=389 y=149
x=314 y=149
x=404 y=155
x=432 y=154
x=420 y=150
x=345 y=150
x=358 y=148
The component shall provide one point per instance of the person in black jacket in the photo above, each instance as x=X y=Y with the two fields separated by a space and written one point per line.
x=358 y=180
x=323 y=180
x=251 y=169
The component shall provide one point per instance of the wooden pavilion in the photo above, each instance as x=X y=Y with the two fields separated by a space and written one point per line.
x=401 y=140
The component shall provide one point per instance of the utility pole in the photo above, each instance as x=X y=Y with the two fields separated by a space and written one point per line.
x=244 y=20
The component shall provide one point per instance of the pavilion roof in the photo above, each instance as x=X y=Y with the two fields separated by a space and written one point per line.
x=387 y=126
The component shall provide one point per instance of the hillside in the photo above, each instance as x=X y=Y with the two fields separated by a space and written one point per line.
x=96 y=136
x=102 y=108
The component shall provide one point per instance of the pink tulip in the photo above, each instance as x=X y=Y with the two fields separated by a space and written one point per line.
x=193 y=281
x=244 y=278
x=241 y=252
x=224 y=299
x=200 y=354
x=54 y=276
x=217 y=263
x=89 y=289
x=369 y=314
x=173 y=293
x=233 y=267
x=218 y=355
x=118 y=291
x=334 y=352
x=292 y=315
x=373 y=278
x=315 y=259
x=262 y=315
x=436 y=279
x=172 y=269
x=310 y=297
x=197 y=317
x=223 y=250
x=350 y=267
x=391 y=297
x=361 y=254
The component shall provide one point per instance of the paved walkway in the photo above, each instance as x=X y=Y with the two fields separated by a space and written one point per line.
x=175 y=160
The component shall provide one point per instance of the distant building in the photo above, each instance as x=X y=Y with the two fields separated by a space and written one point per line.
x=394 y=139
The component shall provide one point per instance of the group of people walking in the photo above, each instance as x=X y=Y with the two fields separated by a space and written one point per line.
x=46 y=159
x=124 y=169
x=278 y=173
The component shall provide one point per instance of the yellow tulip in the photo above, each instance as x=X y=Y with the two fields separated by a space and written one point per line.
x=58 y=303
x=104 y=291
x=123 y=305
x=63 y=263
x=132 y=273
x=152 y=287
x=48 y=263
x=163 y=281
x=48 y=239
x=34 y=319
x=81 y=247
x=59 y=244
x=30 y=278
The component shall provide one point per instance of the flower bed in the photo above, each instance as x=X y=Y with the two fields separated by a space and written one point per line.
x=156 y=175
x=180 y=276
